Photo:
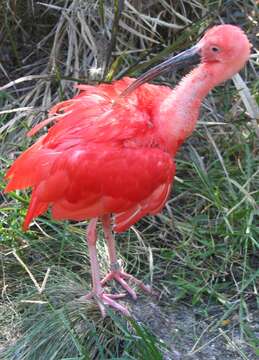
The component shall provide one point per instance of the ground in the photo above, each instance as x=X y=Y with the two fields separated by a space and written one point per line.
x=189 y=336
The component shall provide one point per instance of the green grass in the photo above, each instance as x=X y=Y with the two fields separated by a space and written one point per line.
x=200 y=253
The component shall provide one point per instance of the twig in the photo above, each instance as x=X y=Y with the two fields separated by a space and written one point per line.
x=39 y=288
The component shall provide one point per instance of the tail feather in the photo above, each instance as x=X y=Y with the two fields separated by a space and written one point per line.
x=151 y=205
x=30 y=167
x=128 y=218
x=35 y=209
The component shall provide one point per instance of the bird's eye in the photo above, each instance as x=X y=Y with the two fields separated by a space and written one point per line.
x=215 y=49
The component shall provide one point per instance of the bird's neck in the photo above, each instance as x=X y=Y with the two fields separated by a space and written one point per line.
x=178 y=113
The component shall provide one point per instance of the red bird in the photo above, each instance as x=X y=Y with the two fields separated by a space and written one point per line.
x=110 y=153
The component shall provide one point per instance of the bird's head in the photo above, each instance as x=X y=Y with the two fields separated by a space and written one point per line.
x=225 y=47
x=225 y=44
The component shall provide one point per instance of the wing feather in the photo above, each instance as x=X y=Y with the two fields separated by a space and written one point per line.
x=97 y=158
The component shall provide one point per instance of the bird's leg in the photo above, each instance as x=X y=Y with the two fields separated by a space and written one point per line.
x=116 y=273
x=95 y=269
x=97 y=291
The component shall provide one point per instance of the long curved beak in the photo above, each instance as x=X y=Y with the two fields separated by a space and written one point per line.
x=188 y=57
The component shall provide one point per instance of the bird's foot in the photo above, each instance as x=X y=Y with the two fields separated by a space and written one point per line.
x=103 y=299
x=120 y=276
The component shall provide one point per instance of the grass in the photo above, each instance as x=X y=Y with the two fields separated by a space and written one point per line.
x=200 y=253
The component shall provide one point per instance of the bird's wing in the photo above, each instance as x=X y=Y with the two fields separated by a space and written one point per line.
x=95 y=157
x=84 y=183
x=95 y=115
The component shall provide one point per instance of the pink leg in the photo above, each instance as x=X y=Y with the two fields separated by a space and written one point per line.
x=116 y=272
x=91 y=239
x=97 y=291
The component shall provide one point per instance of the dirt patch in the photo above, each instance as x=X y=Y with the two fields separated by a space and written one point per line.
x=187 y=336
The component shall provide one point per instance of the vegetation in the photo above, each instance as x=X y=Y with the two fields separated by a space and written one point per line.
x=200 y=253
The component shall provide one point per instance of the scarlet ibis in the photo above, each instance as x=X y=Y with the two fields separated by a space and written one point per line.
x=110 y=153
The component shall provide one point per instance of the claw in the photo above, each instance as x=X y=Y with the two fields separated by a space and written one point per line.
x=107 y=299
x=120 y=276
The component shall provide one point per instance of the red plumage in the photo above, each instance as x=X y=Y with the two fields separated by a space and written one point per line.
x=111 y=151
x=100 y=157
